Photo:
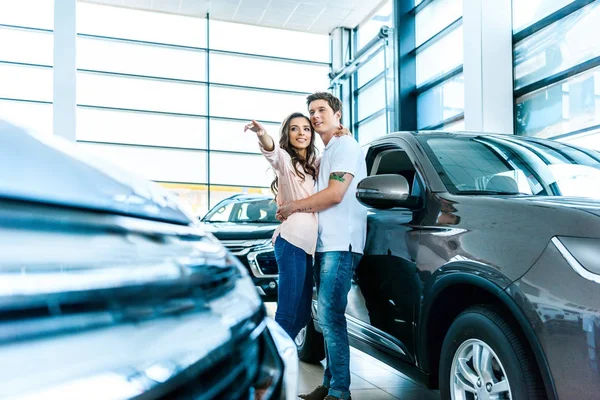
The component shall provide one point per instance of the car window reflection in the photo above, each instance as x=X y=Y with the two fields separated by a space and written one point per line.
x=512 y=166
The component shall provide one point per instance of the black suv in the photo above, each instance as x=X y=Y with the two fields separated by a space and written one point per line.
x=245 y=223
x=107 y=290
x=481 y=270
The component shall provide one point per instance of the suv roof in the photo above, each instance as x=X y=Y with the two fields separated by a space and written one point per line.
x=246 y=196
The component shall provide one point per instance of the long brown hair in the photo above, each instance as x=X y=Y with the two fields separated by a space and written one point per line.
x=308 y=163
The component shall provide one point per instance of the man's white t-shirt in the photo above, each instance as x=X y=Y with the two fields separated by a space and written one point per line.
x=343 y=226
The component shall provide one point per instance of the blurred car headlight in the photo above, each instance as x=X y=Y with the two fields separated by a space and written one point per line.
x=289 y=354
x=582 y=254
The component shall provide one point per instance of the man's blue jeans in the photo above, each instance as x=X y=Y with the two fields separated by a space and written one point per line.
x=333 y=274
x=295 y=286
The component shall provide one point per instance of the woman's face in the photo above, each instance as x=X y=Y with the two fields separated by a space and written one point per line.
x=300 y=133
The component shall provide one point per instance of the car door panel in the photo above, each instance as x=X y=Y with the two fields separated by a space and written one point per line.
x=386 y=287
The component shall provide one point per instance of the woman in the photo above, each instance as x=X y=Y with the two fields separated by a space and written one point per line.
x=295 y=163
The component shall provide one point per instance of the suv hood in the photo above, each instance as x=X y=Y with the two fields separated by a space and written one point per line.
x=591 y=206
x=224 y=231
x=55 y=171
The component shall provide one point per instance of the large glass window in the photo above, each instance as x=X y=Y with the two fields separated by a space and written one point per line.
x=455 y=126
x=265 y=73
x=34 y=117
x=567 y=106
x=589 y=139
x=240 y=169
x=26 y=82
x=441 y=103
x=557 y=72
x=528 y=12
x=369 y=29
x=371 y=99
x=257 y=104
x=158 y=164
x=115 y=126
x=141 y=94
x=194 y=195
x=370 y=96
x=229 y=135
x=560 y=46
x=26 y=37
x=158 y=98
x=26 y=46
x=141 y=59
x=441 y=57
x=372 y=129
x=435 y=17
x=371 y=68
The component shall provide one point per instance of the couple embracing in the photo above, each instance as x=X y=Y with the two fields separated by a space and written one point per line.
x=322 y=218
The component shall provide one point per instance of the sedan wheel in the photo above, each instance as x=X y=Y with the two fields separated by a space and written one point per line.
x=301 y=338
x=310 y=344
x=477 y=373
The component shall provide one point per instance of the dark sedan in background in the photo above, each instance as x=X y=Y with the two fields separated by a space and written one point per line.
x=108 y=291
x=481 y=272
x=245 y=223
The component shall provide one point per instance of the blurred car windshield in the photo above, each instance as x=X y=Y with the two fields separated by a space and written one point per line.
x=497 y=165
x=244 y=211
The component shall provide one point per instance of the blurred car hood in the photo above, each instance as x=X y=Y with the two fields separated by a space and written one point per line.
x=227 y=230
x=54 y=171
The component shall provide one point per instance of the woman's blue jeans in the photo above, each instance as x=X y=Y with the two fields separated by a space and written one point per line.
x=295 y=286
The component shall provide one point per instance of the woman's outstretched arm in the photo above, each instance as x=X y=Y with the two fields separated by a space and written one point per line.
x=265 y=140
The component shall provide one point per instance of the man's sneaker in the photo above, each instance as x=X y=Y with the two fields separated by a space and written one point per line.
x=318 y=394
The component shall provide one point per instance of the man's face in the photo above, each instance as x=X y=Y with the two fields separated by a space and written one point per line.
x=322 y=117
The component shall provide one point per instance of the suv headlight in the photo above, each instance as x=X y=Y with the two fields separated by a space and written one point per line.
x=266 y=244
x=582 y=254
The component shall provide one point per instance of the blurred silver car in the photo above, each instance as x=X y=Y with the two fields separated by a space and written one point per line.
x=109 y=291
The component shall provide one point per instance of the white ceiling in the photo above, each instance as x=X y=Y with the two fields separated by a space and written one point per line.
x=316 y=16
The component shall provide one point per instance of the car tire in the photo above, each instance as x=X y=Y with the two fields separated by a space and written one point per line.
x=310 y=344
x=484 y=330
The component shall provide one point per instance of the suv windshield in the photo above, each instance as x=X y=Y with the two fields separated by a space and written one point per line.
x=508 y=165
x=239 y=211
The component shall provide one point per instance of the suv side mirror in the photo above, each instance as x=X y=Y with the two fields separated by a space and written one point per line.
x=386 y=191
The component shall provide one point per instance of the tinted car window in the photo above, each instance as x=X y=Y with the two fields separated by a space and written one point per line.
x=497 y=165
x=244 y=211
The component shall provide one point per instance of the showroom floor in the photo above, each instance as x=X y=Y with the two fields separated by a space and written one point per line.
x=371 y=379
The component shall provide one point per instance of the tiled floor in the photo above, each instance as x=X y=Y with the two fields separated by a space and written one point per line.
x=371 y=378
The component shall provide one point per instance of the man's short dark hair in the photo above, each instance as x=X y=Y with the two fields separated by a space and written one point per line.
x=334 y=102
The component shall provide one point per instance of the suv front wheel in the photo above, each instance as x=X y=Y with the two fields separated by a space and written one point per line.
x=484 y=356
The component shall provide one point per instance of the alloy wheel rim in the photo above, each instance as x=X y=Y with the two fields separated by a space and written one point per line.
x=301 y=337
x=478 y=374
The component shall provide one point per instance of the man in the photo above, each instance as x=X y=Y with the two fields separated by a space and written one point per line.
x=341 y=240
